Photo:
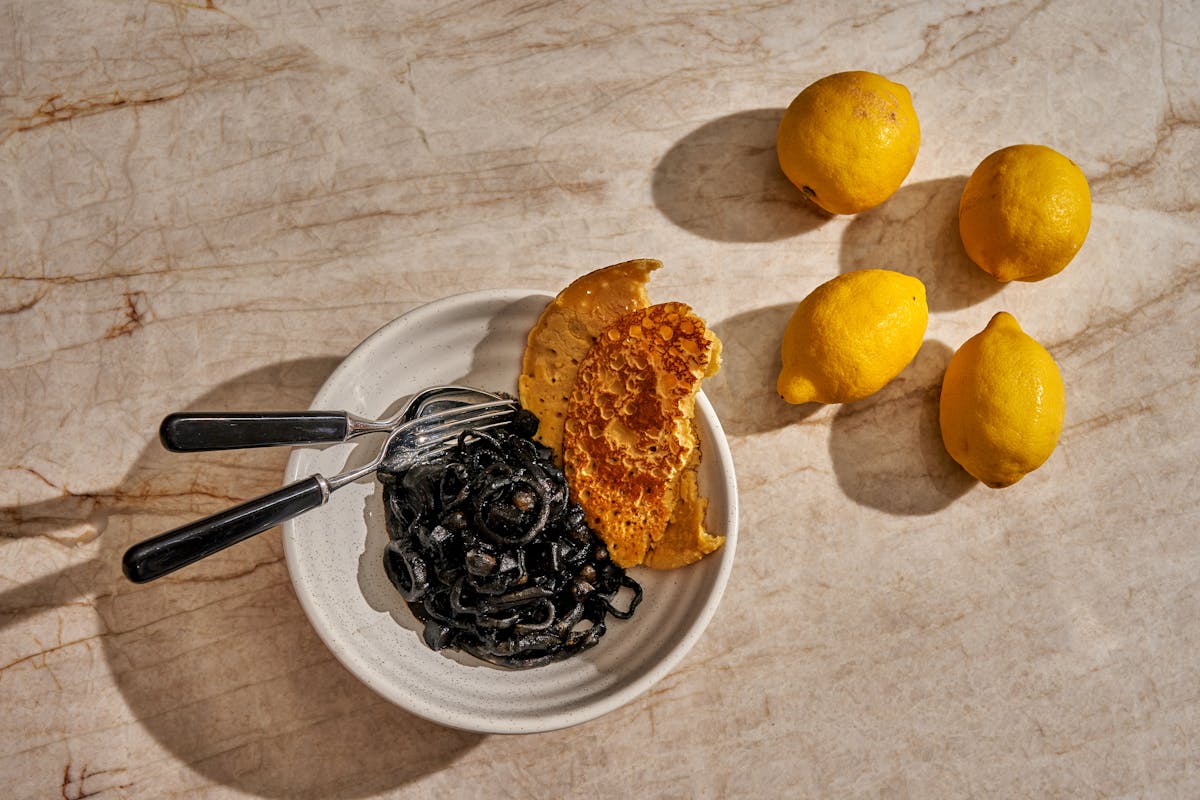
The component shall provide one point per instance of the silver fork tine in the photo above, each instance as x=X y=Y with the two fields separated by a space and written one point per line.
x=449 y=441
x=468 y=410
x=436 y=431
x=418 y=438
x=451 y=434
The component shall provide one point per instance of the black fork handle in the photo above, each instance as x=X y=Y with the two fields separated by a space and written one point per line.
x=189 y=432
x=189 y=543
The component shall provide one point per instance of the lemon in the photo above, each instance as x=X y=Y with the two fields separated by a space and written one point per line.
x=849 y=140
x=1024 y=213
x=852 y=335
x=1002 y=404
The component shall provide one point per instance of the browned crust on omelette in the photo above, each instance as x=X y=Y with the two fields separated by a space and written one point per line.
x=630 y=444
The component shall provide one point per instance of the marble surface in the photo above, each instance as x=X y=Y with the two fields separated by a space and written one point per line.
x=207 y=204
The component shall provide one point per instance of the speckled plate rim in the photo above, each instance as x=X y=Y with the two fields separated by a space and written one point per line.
x=718 y=482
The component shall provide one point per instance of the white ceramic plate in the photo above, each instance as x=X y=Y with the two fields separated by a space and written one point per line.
x=335 y=553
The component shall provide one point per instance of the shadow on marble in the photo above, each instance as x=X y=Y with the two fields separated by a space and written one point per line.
x=219 y=663
x=887 y=449
x=743 y=392
x=144 y=490
x=916 y=232
x=722 y=181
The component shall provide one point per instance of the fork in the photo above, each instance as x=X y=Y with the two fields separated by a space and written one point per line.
x=196 y=431
x=414 y=440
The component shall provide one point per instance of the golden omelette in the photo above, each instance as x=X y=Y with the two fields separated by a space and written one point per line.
x=630 y=449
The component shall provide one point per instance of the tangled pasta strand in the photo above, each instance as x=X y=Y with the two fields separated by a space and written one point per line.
x=489 y=552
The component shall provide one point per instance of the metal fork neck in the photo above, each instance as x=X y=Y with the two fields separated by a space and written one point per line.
x=357 y=425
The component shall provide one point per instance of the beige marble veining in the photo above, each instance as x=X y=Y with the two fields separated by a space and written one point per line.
x=206 y=205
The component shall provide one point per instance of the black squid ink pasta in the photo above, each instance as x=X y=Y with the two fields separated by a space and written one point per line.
x=490 y=553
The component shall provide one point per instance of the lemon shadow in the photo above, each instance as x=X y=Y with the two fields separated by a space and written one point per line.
x=722 y=181
x=218 y=662
x=887 y=450
x=916 y=232
x=743 y=392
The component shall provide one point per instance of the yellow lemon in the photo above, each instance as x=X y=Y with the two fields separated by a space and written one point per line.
x=851 y=336
x=1002 y=404
x=849 y=140
x=1024 y=213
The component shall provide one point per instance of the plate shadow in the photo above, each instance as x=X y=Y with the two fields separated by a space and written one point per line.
x=218 y=661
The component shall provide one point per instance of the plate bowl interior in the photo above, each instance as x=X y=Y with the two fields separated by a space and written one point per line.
x=335 y=554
